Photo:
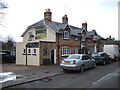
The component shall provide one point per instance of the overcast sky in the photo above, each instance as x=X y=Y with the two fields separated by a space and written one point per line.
x=101 y=15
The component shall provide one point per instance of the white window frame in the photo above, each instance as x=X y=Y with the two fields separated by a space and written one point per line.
x=24 y=51
x=76 y=50
x=28 y=51
x=65 y=35
x=34 y=53
x=76 y=38
x=66 y=51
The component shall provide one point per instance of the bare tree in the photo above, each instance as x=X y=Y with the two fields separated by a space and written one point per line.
x=8 y=42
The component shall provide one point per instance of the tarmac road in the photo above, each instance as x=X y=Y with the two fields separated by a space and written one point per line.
x=111 y=80
x=100 y=77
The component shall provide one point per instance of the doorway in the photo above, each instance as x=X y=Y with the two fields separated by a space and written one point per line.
x=53 y=56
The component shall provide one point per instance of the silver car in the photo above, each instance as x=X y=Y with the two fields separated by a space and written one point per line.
x=77 y=62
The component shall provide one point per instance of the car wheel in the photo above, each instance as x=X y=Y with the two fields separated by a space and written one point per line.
x=94 y=65
x=82 y=68
x=65 y=70
x=110 y=62
x=104 y=62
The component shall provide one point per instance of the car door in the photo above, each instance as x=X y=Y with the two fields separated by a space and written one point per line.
x=85 y=61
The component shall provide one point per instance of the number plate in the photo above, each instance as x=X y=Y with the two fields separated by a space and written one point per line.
x=66 y=62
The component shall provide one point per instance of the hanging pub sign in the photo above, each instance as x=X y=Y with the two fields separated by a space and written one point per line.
x=40 y=33
x=95 y=38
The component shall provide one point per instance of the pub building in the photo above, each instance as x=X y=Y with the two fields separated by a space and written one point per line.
x=48 y=42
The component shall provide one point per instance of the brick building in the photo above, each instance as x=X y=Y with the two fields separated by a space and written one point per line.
x=48 y=42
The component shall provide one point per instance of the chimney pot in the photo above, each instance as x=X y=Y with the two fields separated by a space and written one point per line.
x=84 y=26
x=48 y=15
x=65 y=19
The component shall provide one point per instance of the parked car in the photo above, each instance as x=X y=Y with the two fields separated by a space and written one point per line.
x=101 y=58
x=6 y=58
x=77 y=62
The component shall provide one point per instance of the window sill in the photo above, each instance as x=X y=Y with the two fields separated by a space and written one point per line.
x=34 y=54
x=65 y=38
x=25 y=54
x=28 y=54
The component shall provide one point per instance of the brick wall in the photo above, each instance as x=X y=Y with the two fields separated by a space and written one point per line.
x=45 y=48
x=71 y=42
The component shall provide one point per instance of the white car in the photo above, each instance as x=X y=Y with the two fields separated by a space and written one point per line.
x=77 y=62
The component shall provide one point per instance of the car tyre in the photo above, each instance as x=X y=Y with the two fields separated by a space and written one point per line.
x=110 y=62
x=94 y=65
x=104 y=62
x=82 y=68
x=65 y=70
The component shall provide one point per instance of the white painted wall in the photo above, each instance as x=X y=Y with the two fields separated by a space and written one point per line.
x=50 y=35
x=31 y=59
x=20 y=58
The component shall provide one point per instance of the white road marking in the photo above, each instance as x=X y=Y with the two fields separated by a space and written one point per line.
x=101 y=78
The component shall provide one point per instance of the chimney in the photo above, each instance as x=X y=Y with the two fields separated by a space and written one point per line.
x=48 y=15
x=84 y=26
x=65 y=19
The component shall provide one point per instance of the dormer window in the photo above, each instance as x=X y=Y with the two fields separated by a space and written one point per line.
x=66 y=35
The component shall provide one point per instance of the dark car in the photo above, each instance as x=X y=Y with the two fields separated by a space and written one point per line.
x=101 y=58
x=6 y=58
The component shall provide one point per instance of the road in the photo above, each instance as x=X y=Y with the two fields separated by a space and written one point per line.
x=88 y=79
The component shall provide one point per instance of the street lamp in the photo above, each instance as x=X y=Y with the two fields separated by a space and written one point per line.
x=96 y=39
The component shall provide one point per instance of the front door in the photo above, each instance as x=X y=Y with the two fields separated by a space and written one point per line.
x=53 y=56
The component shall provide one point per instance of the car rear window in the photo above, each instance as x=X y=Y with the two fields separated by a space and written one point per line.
x=74 y=57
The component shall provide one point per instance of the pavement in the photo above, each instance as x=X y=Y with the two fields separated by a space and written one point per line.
x=26 y=74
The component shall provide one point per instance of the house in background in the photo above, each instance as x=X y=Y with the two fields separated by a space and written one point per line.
x=48 y=42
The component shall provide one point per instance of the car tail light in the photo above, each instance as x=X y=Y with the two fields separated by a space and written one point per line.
x=74 y=62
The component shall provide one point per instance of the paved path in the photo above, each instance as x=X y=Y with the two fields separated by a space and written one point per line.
x=29 y=73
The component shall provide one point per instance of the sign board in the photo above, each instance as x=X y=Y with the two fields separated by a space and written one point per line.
x=96 y=38
x=40 y=33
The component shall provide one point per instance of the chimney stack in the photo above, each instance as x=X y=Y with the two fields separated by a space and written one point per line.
x=65 y=19
x=48 y=15
x=84 y=26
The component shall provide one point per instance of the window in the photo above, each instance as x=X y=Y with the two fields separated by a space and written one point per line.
x=84 y=58
x=89 y=41
x=65 y=51
x=76 y=50
x=76 y=38
x=83 y=39
x=66 y=35
x=34 y=51
x=74 y=57
x=45 y=51
x=30 y=36
x=29 y=51
x=24 y=51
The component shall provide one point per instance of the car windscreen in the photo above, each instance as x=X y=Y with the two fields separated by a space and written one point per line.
x=95 y=55
x=74 y=57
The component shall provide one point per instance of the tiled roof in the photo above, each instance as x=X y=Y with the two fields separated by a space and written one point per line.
x=56 y=26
